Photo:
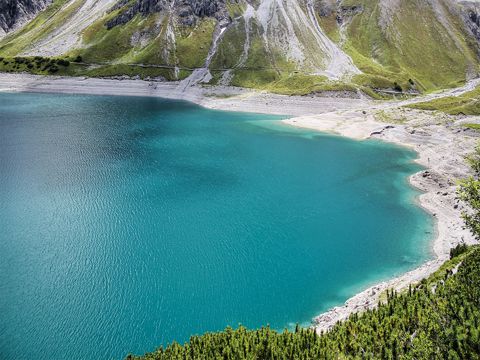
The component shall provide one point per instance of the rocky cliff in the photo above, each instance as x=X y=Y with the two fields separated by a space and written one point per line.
x=188 y=11
x=14 y=13
x=471 y=15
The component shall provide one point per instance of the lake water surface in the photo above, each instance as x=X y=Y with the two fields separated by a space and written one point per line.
x=127 y=223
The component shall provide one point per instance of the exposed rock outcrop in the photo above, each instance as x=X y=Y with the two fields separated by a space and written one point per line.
x=14 y=13
x=326 y=8
x=347 y=12
x=472 y=18
x=186 y=10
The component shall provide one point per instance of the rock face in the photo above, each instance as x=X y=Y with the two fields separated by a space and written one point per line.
x=472 y=18
x=15 y=12
x=187 y=10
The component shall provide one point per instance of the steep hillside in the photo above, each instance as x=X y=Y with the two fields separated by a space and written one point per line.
x=427 y=41
x=296 y=46
x=14 y=13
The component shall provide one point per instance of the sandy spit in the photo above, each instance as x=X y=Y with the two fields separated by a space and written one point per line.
x=440 y=141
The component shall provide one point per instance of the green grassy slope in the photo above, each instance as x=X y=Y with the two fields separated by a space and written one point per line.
x=143 y=40
x=437 y=319
x=38 y=29
x=466 y=104
x=416 y=41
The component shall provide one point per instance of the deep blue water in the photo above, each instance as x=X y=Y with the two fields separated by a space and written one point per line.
x=127 y=223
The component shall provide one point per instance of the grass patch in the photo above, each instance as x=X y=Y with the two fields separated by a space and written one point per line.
x=297 y=84
x=390 y=117
x=330 y=26
x=472 y=126
x=256 y=79
x=465 y=104
x=193 y=45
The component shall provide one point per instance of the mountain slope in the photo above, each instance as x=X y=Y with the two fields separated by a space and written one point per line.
x=314 y=44
x=427 y=41
x=14 y=13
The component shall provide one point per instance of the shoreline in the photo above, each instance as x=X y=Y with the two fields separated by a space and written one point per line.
x=441 y=151
x=439 y=141
x=217 y=98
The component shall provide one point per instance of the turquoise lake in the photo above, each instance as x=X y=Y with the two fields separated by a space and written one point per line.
x=127 y=223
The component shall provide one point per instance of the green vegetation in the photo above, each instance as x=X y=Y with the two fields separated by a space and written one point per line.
x=330 y=26
x=129 y=70
x=434 y=56
x=263 y=67
x=297 y=84
x=193 y=44
x=117 y=47
x=39 y=65
x=260 y=68
x=470 y=193
x=472 y=126
x=439 y=318
x=73 y=66
x=390 y=117
x=235 y=9
x=458 y=250
x=115 y=44
x=230 y=50
x=466 y=104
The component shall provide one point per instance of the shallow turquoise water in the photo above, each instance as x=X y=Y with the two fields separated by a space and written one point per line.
x=127 y=223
